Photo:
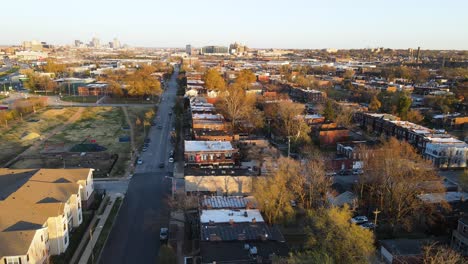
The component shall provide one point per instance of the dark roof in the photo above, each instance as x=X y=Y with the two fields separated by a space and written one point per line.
x=240 y=232
x=405 y=247
x=218 y=202
x=236 y=252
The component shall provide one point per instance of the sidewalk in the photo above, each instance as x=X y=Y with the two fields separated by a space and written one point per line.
x=95 y=235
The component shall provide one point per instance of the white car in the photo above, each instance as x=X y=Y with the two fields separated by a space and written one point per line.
x=171 y=160
x=359 y=220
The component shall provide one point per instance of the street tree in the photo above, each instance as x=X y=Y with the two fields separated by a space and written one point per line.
x=329 y=110
x=375 y=104
x=143 y=83
x=291 y=122
x=213 y=80
x=435 y=254
x=414 y=116
x=394 y=174
x=245 y=78
x=235 y=104
x=331 y=236
x=272 y=192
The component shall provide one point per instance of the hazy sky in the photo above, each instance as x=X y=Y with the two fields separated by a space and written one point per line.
x=431 y=24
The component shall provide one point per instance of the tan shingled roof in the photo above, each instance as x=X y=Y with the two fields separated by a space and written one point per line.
x=27 y=209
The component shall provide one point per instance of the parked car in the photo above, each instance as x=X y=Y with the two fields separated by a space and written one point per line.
x=139 y=161
x=147 y=140
x=170 y=113
x=144 y=149
x=171 y=154
x=163 y=234
x=161 y=165
x=368 y=225
x=359 y=220
x=171 y=159
x=146 y=145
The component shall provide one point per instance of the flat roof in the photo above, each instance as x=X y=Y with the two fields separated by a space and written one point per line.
x=449 y=197
x=226 y=215
x=218 y=202
x=197 y=146
x=191 y=171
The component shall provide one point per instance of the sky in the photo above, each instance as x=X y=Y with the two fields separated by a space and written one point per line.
x=312 y=24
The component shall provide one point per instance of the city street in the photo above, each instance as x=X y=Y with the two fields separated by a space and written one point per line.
x=135 y=235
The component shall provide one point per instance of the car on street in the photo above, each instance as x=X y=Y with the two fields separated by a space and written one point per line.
x=144 y=149
x=146 y=145
x=147 y=140
x=171 y=154
x=163 y=234
x=171 y=159
x=161 y=165
x=170 y=113
x=368 y=225
x=359 y=220
x=153 y=123
x=139 y=161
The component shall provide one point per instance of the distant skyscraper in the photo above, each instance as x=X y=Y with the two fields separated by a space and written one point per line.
x=418 y=54
x=95 y=43
x=188 y=49
x=78 y=43
x=115 y=44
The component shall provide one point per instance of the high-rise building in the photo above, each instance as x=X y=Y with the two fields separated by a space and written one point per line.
x=214 y=50
x=188 y=49
x=237 y=49
x=95 y=43
x=78 y=43
x=115 y=44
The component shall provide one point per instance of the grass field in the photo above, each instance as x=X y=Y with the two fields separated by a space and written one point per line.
x=15 y=139
x=80 y=99
x=102 y=125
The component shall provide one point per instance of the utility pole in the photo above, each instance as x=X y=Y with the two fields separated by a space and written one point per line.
x=376 y=212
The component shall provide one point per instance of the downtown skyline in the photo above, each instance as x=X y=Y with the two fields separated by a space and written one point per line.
x=263 y=24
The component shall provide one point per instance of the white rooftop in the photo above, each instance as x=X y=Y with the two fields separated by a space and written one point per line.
x=226 y=215
x=191 y=145
x=208 y=116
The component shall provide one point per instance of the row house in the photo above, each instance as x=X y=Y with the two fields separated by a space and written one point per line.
x=307 y=96
x=226 y=181
x=39 y=210
x=208 y=122
x=232 y=230
x=442 y=149
x=210 y=153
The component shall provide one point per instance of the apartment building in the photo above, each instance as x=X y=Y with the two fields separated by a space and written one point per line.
x=443 y=150
x=38 y=210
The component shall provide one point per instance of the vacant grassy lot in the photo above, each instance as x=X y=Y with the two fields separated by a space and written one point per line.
x=104 y=126
x=19 y=135
x=80 y=99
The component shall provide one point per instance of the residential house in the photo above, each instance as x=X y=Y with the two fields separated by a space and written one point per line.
x=460 y=237
x=219 y=154
x=236 y=233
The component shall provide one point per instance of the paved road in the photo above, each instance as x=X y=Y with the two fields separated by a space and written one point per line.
x=135 y=236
